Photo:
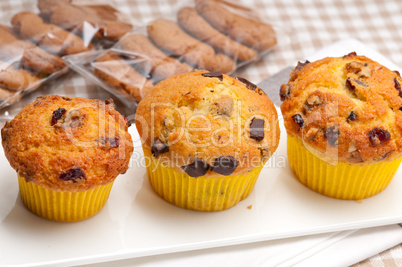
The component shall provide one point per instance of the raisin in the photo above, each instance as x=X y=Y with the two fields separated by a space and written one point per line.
x=397 y=73
x=298 y=120
x=225 y=165
x=66 y=98
x=284 y=91
x=257 y=129
x=213 y=75
x=398 y=87
x=73 y=175
x=197 y=168
x=57 y=115
x=332 y=134
x=378 y=136
x=158 y=147
x=352 y=116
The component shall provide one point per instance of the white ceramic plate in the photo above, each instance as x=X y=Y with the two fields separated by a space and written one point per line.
x=136 y=222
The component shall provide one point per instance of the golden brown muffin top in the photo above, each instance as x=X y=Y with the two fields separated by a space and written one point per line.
x=207 y=123
x=346 y=108
x=68 y=144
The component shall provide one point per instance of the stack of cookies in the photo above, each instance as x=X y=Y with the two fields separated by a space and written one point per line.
x=31 y=50
x=207 y=36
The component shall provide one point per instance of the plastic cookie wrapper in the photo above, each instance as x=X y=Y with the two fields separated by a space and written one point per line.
x=188 y=39
x=35 y=37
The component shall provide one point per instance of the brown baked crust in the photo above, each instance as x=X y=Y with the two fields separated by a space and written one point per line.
x=177 y=43
x=30 y=55
x=113 y=70
x=350 y=107
x=41 y=150
x=193 y=23
x=205 y=118
x=49 y=37
x=252 y=33
x=157 y=63
x=16 y=79
x=72 y=17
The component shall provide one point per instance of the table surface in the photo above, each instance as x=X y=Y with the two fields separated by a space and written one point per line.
x=306 y=26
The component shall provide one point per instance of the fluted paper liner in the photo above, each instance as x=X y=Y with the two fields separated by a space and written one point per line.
x=199 y=193
x=63 y=206
x=341 y=181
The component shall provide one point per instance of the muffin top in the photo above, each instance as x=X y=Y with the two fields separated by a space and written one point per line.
x=346 y=108
x=207 y=123
x=68 y=144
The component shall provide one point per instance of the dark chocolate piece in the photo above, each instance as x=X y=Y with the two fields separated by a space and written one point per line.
x=352 y=116
x=197 y=168
x=213 y=75
x=251 y=86
x=225 y=165
x=257 y=129
x=57 y=115
x=73 y=175
x=332 y=134
x=158 y=147
x=398 y=87
x=378 y=136
x=297 y=118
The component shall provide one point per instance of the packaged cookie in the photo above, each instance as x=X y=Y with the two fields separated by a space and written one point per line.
x=344 y=123
x=218 y=36
x=75 y=150
x=206 y=137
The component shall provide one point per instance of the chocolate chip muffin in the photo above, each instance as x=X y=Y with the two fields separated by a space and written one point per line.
x=344 y=122
x=206 y=137
x=67 y=153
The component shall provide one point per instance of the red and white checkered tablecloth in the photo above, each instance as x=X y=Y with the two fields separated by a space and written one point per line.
x=306 y=26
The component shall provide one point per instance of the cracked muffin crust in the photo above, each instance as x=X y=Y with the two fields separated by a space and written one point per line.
x=208 y=123
x=68 y=144
x=348 y=107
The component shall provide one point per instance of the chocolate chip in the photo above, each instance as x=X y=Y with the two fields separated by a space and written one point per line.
x=158 y=147
x=251 y=86
x=378 y=136
x=300 y=65
x=197 y=168
x=225 y=165
x=332 y=134
x=72 y=175
x=66 y=98
x=398 y=87
x=352 y=116
x=284 y=91
x=350 y=54
x=298 y=120
x=213 y=75
x=257 y=129
x=57 y=115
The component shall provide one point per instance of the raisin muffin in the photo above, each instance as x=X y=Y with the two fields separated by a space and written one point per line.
x=343 y=118
x=206 y=137
x=67 y=153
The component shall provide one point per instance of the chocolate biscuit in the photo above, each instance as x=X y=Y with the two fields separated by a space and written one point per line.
x=252 y=33
x=194 y=24
x=158 y=64
x=177 y=43
x=49 y=37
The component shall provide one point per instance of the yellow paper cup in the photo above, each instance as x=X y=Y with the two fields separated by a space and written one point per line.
x=199 y=193
x=63 y=206
x=341 y=181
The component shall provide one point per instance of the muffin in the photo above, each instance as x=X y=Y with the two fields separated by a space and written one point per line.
x=206 y=136
x=343 y=118
x=67 y=153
